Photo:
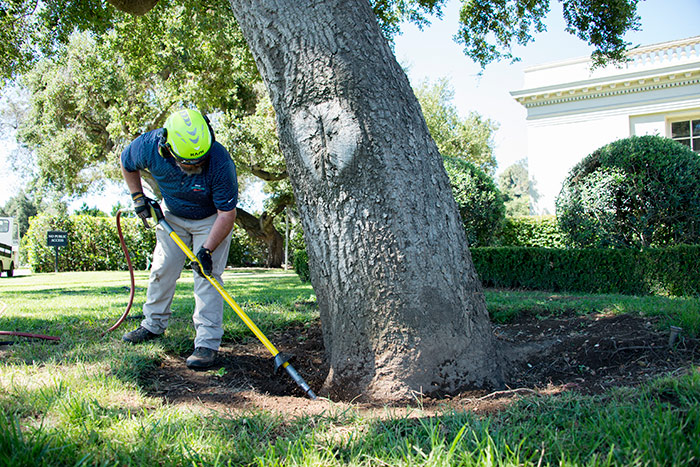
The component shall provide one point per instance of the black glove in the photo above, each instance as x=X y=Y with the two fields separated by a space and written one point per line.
x=204 y=257
x=143 y=206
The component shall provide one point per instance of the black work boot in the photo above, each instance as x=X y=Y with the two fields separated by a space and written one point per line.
x=201 y=359
x=139 y=335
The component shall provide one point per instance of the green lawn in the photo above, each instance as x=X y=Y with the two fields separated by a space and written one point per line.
x=81 y=401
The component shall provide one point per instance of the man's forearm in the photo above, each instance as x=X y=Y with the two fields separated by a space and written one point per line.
x=221 y=228
x=133 y=180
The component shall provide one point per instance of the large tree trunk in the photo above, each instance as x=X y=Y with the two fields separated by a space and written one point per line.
x=401 y=306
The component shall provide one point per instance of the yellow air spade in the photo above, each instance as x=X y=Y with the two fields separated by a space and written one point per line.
x=281 y=360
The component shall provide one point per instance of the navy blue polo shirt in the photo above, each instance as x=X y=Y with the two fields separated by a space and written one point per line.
x=189 y=196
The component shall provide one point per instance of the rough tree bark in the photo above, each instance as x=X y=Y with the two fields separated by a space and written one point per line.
x=401 y=306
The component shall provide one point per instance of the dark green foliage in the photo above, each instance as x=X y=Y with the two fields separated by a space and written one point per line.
x=99 y=91
x=30 y=29
x=391 y=14
x=667 y=271
x=300 y=259
x=602 y=24
x=93 y=243
x=301 y=265
x=531 y=231
x=479 y=201
x=636 y=192
x=489 y=28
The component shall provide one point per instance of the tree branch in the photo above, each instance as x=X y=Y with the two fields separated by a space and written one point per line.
x=134 y=7
x=256 y=170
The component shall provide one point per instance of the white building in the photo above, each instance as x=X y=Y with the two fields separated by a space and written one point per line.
x=573 y=110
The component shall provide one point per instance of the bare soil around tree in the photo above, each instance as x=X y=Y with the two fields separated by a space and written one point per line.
x=588 y=354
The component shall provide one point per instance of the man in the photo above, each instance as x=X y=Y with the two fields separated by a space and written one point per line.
x=197 y=179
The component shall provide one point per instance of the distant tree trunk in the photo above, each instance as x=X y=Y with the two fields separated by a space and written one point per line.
x=263 y=229
x=135 y=7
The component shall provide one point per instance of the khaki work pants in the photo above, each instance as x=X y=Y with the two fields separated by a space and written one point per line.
x=168 y=262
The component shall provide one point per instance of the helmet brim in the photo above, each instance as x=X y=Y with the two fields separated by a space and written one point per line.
x=197 y=161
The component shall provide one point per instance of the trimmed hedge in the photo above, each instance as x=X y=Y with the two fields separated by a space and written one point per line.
x=531 y=231
x=637 y=192
x=667 y=271
x=664 y=271
x=301 y=265
x=93 y=244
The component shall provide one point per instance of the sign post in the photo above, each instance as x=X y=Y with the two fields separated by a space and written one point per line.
x=56 y=238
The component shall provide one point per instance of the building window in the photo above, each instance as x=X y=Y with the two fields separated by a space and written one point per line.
x=687 y=132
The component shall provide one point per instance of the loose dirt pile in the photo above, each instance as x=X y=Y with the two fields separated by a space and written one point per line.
x=588 y=354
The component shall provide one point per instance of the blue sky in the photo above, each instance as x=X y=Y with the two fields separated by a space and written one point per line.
x=432 y=54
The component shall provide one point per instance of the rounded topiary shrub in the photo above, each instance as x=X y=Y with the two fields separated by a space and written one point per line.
x=480 y=203
x=636 y=192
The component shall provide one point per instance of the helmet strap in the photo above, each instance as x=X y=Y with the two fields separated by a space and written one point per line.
x=211 y=131
x=163 y=146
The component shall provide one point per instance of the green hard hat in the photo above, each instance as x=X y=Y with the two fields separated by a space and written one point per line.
x=188 y=135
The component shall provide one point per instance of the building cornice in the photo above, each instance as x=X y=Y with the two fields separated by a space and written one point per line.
x=596 y=89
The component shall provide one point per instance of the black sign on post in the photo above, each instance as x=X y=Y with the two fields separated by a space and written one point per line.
x=56 y=238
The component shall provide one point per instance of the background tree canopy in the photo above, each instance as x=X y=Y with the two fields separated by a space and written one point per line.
x=518 y=190
x=30 y=30
x=469 y=139
x=89 y=101
x=21 y=207
x=490 y=27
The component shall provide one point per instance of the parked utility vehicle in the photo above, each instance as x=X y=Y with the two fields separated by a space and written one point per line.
x=9 y=245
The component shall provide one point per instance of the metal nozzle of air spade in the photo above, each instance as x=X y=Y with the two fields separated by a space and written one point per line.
x=282 y=361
